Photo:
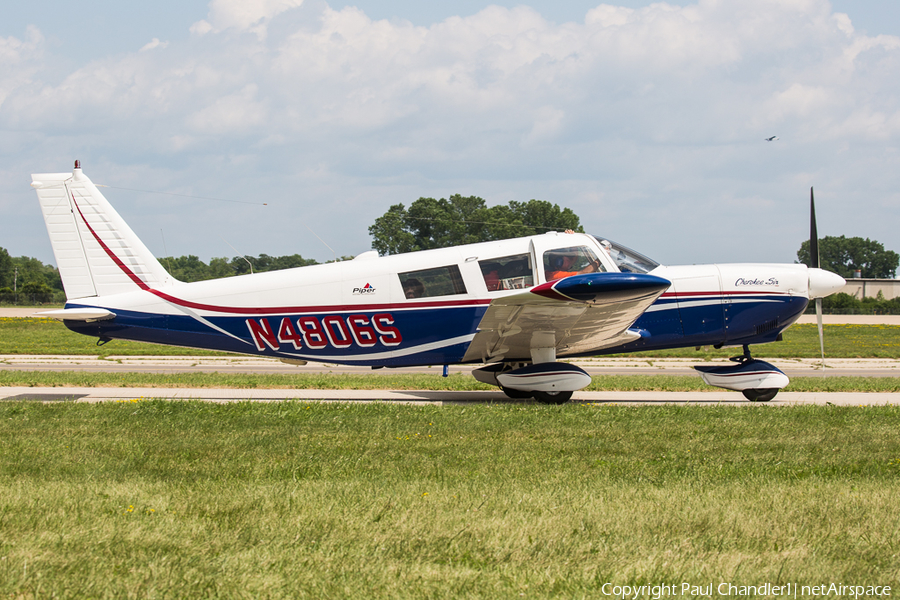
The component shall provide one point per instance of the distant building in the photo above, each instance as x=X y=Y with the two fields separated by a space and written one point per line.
x=868 y=288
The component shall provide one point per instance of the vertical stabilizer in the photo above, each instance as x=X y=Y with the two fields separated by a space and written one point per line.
x=97 y=252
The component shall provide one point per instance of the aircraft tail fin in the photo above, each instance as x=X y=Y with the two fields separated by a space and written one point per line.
x=96 y=251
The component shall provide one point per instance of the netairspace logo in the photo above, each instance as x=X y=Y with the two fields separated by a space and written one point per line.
x=730 y=590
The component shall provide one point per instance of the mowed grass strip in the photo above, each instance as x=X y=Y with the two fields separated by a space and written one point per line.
x=47 y=336
x=428 y=382
x=290 y=500
x=38 y=335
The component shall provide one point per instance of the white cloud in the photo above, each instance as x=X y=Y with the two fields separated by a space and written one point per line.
x=18 y=61
x=152 y=44
x=236 y=113
x=242 y=15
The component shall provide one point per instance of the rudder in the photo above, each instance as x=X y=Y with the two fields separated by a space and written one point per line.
x=96 y=251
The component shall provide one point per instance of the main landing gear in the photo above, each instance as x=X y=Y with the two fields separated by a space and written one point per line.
x=546 y=382
x=542 y=397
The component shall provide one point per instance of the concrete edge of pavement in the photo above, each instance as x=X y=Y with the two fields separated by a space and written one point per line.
x=88 y=394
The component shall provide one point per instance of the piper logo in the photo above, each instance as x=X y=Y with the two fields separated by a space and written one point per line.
x=366 y=289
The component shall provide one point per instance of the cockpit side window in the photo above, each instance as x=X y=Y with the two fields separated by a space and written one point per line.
x=507 y=273
x=440 y=281
x=574 y=260
x=627 y=259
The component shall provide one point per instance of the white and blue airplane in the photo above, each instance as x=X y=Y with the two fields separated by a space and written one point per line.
x=516 y=306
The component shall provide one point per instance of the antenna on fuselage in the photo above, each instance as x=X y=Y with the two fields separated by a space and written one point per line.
x=239 y=254
x=321 y=240
x=166 y=250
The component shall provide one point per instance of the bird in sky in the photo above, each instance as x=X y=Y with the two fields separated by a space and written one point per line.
x=772 y=139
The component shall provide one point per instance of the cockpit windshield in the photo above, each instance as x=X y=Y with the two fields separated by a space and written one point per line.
x=627 y=259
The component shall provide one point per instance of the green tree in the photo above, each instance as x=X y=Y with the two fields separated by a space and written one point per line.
x=187 y=268
x=36 y=292
x=390 y=232
x=191 y=268
x=31 y=270
x=843 y=255
x=458 y=220
x=6 y=269
x=220 y=267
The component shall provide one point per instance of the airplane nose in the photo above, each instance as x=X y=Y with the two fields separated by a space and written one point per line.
x=824 y=283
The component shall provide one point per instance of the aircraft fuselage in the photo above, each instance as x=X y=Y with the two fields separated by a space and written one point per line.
x=355 y=312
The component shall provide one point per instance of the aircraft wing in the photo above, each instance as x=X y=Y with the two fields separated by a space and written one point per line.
x=575 y=314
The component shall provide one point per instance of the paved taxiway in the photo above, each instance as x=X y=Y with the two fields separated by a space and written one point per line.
x=596 y=367
x=87 y=394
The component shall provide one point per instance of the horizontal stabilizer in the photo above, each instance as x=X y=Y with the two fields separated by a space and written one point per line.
x=79 y=314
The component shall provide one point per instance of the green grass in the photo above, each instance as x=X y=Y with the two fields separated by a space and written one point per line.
x=46 y=336
x=158 y=499
x=373 y=381
x=34 y=335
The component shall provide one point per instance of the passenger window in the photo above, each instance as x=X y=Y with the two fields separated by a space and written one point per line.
x=507 y=273
x=563 y=262
x=442 y=281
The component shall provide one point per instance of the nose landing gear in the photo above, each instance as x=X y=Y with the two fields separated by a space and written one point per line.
x=757 y=380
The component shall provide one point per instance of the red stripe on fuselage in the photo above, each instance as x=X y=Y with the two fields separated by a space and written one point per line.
x=262 y=310
x=290 y=310
x=688 y=294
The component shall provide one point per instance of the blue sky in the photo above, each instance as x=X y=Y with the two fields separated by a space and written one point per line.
x=647 y=120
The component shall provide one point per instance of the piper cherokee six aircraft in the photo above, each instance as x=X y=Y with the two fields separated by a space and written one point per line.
x=515 y=305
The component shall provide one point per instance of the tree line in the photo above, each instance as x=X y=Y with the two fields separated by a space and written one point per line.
x=28 y=278
x=190 y=268
x=25 y=280
x=439 y=223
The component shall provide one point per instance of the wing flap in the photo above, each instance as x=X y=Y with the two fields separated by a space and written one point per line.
x=576 y=314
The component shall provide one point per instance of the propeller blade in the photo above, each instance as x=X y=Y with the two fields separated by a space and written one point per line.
x=814 y=263
x=821 y=333
x=813 y=233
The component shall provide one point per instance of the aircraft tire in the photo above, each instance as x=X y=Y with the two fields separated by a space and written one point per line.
x=760 y=394
x=551 y=397
x=516 y=394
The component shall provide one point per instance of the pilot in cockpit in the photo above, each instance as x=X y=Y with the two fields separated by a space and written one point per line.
x=565 y=262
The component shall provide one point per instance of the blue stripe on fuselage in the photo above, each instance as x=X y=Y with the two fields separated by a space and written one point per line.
x=432 y=335
x=436 y=335
x=707 y=321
